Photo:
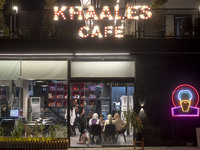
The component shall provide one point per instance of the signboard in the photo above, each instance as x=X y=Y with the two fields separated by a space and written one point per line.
x=185 y=99
x=131 y=13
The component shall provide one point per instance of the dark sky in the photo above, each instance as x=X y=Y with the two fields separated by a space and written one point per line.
x=25 y=4
x=36 y=4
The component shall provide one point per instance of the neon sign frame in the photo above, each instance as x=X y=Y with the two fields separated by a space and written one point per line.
x=176 y=107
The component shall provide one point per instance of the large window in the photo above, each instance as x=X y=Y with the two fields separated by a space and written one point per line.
x=37 y=92
x=92 y=103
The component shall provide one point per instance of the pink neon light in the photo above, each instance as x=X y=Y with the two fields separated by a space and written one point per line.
x=195 y=114
x=183 y=85
x=185 y=115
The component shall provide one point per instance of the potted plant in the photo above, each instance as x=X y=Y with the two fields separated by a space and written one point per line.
x=48 y=26
x=159 y=16
x=4 y=31
x=136 y=123
x=18 y=130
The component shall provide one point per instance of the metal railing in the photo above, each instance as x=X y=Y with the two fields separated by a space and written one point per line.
x=177 y=23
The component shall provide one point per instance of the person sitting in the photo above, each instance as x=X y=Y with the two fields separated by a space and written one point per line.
x=109 y=130
x=108 y=121
x=120 y=125
x=101 y=120
x=93 y=132
x=94 y=119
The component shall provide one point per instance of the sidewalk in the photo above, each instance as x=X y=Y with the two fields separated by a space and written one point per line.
x=138 y=148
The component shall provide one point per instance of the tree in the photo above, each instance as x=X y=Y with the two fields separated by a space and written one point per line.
x=47 y=22
x=159 y=15
x=3 y=27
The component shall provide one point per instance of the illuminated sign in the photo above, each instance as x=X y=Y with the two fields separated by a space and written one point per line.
x=185 y=99
x=132 y=13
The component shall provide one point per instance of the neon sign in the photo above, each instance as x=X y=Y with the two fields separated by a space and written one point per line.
x=185 y=99
x=132 y=13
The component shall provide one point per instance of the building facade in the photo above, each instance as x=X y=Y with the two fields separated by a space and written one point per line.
x=45 y=74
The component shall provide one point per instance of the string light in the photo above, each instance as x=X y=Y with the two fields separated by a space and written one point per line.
x=60 y=12
x=119 y=30
x=79 y=12
x=81 y=32
x=146 y=10
x=107 y=30
x=104 y=14
x=133 y=13
x=96 y=32
x=117 y=17
x=91 y=13
x=130 y=12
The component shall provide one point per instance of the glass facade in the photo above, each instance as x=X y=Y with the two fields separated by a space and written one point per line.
x=39 y=94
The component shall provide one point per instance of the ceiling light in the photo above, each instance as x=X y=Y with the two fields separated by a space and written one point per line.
x=38 y=54
x=101 y=54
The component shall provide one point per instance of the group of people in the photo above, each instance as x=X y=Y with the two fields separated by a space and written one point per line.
x=83 y=120
x=120 y=125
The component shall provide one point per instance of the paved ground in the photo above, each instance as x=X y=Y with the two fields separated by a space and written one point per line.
x=138 y=148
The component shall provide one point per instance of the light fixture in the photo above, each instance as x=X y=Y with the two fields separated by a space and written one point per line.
x=101 y=54
x=16 y=9
x=39 y=81
x=37 y=54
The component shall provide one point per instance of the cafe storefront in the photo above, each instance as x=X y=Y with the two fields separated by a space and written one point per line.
x=40 y=90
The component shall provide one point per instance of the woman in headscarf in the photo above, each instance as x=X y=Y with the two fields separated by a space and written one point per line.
x=94 y=119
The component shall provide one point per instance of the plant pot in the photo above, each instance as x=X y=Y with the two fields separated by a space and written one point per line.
x=30 y=143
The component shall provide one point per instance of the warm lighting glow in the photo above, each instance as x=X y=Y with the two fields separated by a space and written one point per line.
x=132 y=13
x=81 y=32
x=106 y=13
x=107 y=30
x=91 y=13
x=79 y=12
x=60 y=12
x=117 y=17
x=119 y=30
x=147 y=13
x=16 y=9
x=96 y=32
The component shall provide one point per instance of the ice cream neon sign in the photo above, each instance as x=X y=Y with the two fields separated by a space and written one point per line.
x=185 y=99
x=132 y=13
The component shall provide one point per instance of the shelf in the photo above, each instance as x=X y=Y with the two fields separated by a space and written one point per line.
x=57 y=95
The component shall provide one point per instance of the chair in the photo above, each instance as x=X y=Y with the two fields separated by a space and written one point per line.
x=121 y=132
x=139 y=141
x=95 y=130
x=110 y=131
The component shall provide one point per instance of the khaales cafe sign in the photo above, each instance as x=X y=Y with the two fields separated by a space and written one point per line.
x=132 y=13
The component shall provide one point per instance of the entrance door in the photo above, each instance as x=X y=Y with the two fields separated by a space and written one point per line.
x=92 y=104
